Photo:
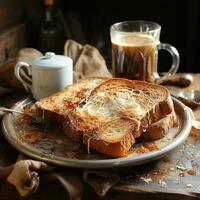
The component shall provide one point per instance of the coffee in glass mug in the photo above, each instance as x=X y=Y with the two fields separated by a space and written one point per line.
x=135 y=46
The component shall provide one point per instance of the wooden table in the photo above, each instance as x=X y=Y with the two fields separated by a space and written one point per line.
x=126 y=189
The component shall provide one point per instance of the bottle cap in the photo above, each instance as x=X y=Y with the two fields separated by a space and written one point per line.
x=48 y=2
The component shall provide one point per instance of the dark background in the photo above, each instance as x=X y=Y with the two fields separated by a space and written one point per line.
x=89 y=22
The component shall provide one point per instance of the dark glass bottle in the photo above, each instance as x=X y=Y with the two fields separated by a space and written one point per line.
x=52 y=29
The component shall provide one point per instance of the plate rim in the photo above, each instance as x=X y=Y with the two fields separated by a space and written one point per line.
x=105 y=163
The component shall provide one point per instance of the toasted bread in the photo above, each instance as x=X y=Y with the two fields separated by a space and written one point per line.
x=56 y=107
x=158 y=129
x=108 y=115
x=117 y=112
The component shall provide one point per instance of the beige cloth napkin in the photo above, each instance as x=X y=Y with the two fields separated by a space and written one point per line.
x=8 y=81
x=26 y=174
x=87 y=60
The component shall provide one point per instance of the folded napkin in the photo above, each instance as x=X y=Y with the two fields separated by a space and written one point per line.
x=26 y=175
x=87 y=60
x=8 y=81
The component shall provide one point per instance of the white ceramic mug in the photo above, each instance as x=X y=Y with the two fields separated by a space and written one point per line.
x=50 y=73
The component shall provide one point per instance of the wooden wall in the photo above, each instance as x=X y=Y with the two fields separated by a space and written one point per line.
x=12 y=28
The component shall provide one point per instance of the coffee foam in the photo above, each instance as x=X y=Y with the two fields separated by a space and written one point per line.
x=133 y=39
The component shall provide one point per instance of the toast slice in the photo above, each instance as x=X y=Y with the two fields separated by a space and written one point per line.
x=116 y=113
x=158 y=129
x=108 y=115
x=56 y=107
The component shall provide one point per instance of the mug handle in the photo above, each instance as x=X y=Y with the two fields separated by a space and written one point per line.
x=19 y=73
x=175 y=62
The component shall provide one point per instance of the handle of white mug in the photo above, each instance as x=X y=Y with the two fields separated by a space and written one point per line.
x=175 y=61
x=19 y=73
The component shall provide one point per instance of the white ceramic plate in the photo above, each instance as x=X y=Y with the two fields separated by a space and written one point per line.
x=53 y=147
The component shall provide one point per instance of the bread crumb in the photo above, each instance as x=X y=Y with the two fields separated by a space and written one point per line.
x=146 y=180
x=58 y=141
x=180 y=167
x=182 y=174
x=162 y=183
x=191 y=172
x=72 y=155
x=155 y=172
x=166 y=140
x=172 y=169
x=189 y=185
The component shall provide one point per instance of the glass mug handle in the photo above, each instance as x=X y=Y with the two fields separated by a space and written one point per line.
x=20 y=74
x=175 y=62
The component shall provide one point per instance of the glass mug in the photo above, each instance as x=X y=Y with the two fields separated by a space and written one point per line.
x=135 y=46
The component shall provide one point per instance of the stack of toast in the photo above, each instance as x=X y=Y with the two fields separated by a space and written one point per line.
x=108 y=115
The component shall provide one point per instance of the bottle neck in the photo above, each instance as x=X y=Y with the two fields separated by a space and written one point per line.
x=49 y=6
x=49 y=12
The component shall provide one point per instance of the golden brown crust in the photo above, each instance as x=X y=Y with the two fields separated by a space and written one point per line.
x=79 y=126
x=158 y=129
x=56 y=102
x=118 y=149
